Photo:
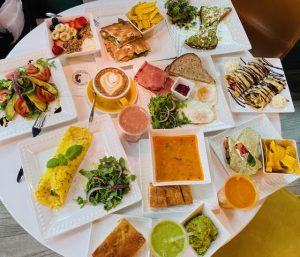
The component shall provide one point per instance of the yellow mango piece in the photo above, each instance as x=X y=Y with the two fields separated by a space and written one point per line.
x=272 y=146
x=290 y=150
x=279 y=153
x=152 y=14
x=289 y=162
x=140 y=25
x=146 y=24
x=157 y=19
x=269 y=166
x=144 y=6
x=270 y=156
x=277 y=166
x=139 y=16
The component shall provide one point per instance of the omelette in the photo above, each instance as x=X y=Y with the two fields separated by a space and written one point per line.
x=55 y=183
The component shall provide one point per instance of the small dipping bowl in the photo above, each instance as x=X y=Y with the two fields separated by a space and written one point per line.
x=133 y=121
x=182 y=86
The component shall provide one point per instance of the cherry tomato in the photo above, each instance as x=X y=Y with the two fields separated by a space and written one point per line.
x=44 y=95
x=31 y=69
x=11 y=75
x=21 y=107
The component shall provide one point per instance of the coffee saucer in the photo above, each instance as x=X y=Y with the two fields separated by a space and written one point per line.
x=111 y=106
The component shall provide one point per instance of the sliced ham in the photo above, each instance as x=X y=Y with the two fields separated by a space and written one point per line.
x=167 y=87
x=151 y=77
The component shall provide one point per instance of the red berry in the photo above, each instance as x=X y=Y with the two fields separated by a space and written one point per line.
x=72 y=24
x=58 y=43
x=82 y=20
x=57 y=50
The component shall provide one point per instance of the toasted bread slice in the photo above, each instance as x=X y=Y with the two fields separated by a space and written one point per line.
x=174 y=196
x=123 y=241
x=187 y=195
x=206 y=38
x=189 y=66
x=210 y=15
x=157 y=197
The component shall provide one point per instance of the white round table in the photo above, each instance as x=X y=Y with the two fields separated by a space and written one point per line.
x=75 y=243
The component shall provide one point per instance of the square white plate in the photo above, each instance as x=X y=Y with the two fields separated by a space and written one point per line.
x=200 y=193
x=224 y=117
x=34 y=154
x=89 y=18
x=102 y=228
x=266 y=183
x=20 y=126
x=268 y=109
x=231 y=34
x=201 y=150
x=159 y=40
x=223 y=233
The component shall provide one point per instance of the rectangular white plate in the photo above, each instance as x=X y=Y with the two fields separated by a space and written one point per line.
x=268 y=109
x=19 y=126
x=89 y=18
x=206 y=192
x=224 y=117
x=223 y=233
x=231 y=34
x=34 y=154
x=267 y=183
x=201 y=149
x=159 y=40
x=102 y=228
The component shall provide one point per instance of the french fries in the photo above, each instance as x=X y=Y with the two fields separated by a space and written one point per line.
x=145 y=15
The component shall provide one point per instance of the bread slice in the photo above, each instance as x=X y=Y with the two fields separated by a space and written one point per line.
x=189 y=66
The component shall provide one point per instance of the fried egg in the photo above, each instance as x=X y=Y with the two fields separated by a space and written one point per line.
x=206 y=93
x=198 y=112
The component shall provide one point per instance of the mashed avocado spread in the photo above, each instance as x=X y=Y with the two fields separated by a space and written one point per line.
x=204 y=233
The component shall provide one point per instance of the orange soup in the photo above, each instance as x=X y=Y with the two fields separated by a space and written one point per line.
x=177 y=158
x=240 y=192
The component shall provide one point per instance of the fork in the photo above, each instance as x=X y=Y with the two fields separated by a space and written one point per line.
x=53 y=15
x=36 y=129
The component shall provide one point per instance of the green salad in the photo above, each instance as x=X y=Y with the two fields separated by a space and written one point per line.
x=181 y=13
x=107 y=183
x=165 y=112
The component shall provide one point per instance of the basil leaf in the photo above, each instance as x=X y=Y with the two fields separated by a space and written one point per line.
x=52 y=163
x=73 y=151
x=62 y=160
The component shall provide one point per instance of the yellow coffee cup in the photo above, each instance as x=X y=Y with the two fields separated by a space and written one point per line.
x=112 y=84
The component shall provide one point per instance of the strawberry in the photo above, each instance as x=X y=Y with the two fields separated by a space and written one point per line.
x=58 y=43
x=80 y=22
x=57 y=50
x=72 y=24
x=31 y=69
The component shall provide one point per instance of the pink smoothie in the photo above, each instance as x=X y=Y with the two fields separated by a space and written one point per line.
x=133 y=121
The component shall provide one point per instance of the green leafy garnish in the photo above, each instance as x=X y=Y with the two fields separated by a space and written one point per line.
x=73 y=151
x=181 y=12
x=107 y=183
x=53 y=162
x=81 y=202
x=52 y=192
x=45 y=63
x=251 y=160
x=165 y=112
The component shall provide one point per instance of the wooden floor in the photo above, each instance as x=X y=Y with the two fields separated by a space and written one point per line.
x=15 y=242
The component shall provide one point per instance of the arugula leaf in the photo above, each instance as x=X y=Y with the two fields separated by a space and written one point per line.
x=81 y=202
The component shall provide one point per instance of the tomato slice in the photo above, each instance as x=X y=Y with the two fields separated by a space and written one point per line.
x=31 y=69
x=44 y=95
x=11 y=75
x=21 y=107
x=44 y=74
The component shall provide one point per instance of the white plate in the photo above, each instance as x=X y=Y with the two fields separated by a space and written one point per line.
x=221 y=122
x=231 y=34
x=159 y=40
x=267 y=184
x=89 y=18
x=223 y=234
x=268 y=109
x=201 y=150
x=19 y=126
x=34 y=154
x=102 y=228
x=206 y=192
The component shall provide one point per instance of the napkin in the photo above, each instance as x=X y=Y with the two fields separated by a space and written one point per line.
x=274 y=231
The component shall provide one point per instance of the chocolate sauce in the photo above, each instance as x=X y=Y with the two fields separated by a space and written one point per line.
x=58 y=110
x=3 y=121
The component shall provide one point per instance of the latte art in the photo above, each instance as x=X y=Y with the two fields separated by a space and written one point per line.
x=111 y=82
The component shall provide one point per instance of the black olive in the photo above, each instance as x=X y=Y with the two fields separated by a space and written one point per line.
x=52 y=27
x=54 y=21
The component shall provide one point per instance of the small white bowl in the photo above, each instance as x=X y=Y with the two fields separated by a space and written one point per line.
x=185 y=82
x=201 y=149
x=89 y=18
x=223 y=233
x=292 y=143
x=148 y=31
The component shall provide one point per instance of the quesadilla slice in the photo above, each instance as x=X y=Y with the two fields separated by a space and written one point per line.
x=128 y=51
x=120 y=33
x=242 y=155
